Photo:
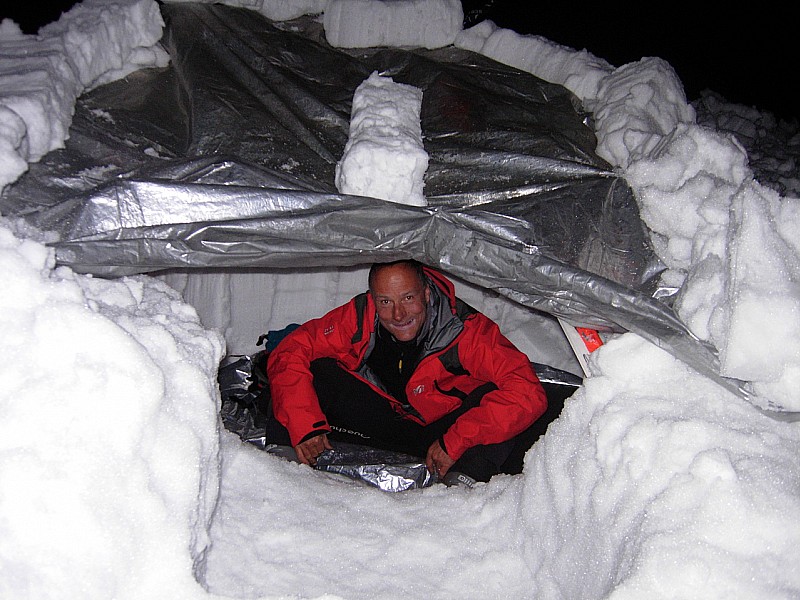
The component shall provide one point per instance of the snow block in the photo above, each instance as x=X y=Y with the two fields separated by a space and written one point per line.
x=414 y=23
x=384 y=156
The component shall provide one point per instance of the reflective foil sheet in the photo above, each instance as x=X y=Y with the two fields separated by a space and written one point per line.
x=226 y=159
x=245 y=399
x=389 y=471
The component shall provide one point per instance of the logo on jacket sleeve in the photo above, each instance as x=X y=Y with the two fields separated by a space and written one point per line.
x=328 y=330
x=418 y=390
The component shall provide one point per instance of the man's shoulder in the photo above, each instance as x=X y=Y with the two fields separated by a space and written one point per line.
x=361 y=306
x=350 y=314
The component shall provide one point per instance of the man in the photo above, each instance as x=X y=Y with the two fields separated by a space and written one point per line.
x=406 y=367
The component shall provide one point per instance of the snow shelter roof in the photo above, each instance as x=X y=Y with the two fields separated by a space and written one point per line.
x=227 y=157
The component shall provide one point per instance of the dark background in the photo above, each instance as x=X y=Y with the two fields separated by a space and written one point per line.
x=748 y=55
x=743 y=54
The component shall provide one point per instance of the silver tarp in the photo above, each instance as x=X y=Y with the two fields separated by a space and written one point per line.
x=387 y=471
x=226 y=159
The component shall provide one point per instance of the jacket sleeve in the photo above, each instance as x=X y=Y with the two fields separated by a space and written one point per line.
x=505 y=412
x=294 y=400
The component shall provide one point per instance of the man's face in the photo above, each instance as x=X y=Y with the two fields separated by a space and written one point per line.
x=402 y=301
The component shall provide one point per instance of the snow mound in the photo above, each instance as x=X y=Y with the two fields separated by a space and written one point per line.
x=642 y=491
x=109 y=439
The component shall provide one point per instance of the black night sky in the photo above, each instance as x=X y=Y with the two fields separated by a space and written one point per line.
x=748 y=56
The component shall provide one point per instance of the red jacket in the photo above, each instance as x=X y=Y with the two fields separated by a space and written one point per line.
x=463 y=350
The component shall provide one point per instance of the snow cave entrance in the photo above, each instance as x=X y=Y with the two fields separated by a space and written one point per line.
x=243 y=304
x=218 y=171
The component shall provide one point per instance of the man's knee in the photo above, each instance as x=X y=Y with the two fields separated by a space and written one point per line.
x=327 y=372
x=484 y=461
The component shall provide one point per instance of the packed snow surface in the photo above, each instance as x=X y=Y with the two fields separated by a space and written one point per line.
x=115 y=480
x=109 y=436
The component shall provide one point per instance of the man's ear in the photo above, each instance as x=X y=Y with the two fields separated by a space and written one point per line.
x=427 y=294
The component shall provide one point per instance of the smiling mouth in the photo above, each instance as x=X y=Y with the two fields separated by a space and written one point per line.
x=405 y=325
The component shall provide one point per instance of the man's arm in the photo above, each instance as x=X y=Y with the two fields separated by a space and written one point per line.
x=294 y=399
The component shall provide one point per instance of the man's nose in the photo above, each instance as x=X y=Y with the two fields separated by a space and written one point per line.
x=398 y=312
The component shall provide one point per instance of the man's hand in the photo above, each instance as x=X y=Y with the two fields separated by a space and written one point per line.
x=308 y=451
x=437 y=460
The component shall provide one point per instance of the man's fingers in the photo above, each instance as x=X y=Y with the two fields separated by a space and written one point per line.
x=308 y=451
x=301 y=454
x=432 y=463
x=305 y=453
x=437 y=460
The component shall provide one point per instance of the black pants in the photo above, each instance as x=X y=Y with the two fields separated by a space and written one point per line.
x=358 y=415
